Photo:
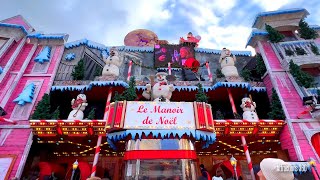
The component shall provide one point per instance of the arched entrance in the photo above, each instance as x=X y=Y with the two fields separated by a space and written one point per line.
x=315 y=140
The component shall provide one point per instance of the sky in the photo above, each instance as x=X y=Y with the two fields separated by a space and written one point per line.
x=220 y=23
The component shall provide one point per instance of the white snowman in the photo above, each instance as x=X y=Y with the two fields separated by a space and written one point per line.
x=227 y=64
x=249 y=109
x=113 y=62
x=161 y=91
x=78 y=105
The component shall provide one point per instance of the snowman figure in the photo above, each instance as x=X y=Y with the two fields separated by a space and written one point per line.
x=161 y=91
x=227 y=64
x=249 y=109
x=113 y=63
x=78 y=105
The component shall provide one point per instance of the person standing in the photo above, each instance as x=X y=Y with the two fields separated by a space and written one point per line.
x=204 y=173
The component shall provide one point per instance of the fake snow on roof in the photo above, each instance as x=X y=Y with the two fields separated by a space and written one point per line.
x=14 y=26
x=70 y=56
x=86 y=42
x=44 y=55
x=88 y=87
x=26 y=96
x=273 y=13
x=1 y=70
x=207 y=137
x=214 y=51
x=47 y=36
x=133 y=49
x=256 y=32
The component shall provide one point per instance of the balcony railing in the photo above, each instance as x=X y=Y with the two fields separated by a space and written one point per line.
x=288 y=51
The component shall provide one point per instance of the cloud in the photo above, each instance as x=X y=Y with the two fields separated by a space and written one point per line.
x=272 y=5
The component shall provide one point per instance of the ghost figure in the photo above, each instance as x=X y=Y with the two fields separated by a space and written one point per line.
x=78 y=105
x=161 y=91
x=113 y=63
x=227 y=64
x=249 y=107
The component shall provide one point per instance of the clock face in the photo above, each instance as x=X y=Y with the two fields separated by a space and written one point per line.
x=141 y=37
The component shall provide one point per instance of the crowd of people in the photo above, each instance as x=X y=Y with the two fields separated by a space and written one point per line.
x=269 y=170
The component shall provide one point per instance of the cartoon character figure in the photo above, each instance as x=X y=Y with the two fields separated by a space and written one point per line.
x=227 y=62
x=161 y=91
x=113 y=62
x=249 y=109
x=78 y=105
x=190 y=39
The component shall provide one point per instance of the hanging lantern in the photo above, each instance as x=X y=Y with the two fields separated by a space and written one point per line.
x=90 y=130
x=59 y=130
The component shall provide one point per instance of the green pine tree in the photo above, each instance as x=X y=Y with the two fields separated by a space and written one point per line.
x=98 y=71
x=201 y=95
x=92 y=113
x=219 y=114
x=261 y=67
x=56 y=113
x=315 y=49
x=246 y=74
x=302 y=78
x=219 y=73
x=276 y=107
x=306 y=32
x=129 y=94
x=274 y=35
x=42 y=110
x=78 y=71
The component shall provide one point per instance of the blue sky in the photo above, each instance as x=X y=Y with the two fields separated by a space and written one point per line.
x=220 y=23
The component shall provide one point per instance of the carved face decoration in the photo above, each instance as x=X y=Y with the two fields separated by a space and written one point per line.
x=82 y=96
x=161 y=76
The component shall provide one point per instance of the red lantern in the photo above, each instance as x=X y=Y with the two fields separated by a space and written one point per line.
x=90 y=130
x=59 y=130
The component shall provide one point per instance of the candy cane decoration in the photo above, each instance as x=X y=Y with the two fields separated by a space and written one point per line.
x=209 y=72
x=2 y=119
x=96 y=157
x=129 y=70
x=234 y=109
x=246 y=151
x=169 y=68
x=105 y=116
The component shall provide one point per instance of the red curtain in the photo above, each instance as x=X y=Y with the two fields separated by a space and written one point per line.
x=315 y=140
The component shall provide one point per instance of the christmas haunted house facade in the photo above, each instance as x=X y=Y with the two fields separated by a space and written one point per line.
x=175 y=114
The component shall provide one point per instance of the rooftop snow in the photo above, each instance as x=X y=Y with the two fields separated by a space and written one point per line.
x=273 y=13
x=256 y=32
x=48 y=36
x=14 y=26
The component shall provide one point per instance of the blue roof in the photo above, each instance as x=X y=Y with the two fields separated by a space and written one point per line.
x=47 y=36
x=273 y=13
x=14 y=26
x=315 y=27
x=256 y=32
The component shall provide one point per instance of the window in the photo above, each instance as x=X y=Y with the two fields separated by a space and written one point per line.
x=3 y=41
x=22 y=112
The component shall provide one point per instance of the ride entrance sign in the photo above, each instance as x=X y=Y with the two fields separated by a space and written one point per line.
x=159 y=115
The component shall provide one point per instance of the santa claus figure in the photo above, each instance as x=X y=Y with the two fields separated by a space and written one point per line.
x=249 y=109
x=78 y=105
x=161 y=91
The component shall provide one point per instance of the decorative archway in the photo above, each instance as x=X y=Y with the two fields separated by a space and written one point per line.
x=315 y=140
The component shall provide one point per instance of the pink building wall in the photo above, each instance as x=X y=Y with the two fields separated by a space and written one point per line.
x=18 y=140
x=292 y=136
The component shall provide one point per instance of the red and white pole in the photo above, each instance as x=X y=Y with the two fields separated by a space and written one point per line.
x=209 y=72
x=246 y=152
x=169 y=68
x=129 y=70
x=105 y=116
x=234 y=109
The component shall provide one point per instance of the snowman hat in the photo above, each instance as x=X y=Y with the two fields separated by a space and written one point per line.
x=161 y=72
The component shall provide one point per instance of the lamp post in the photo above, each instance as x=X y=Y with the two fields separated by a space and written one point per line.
x=233 y=162
x=74 y=167
x=312 y=163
